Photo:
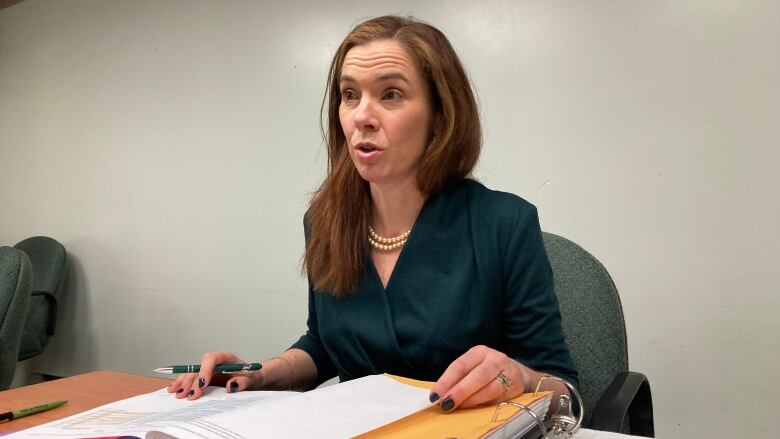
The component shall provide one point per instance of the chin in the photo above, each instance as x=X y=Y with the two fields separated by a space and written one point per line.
x=368 y=174
x=371 y=177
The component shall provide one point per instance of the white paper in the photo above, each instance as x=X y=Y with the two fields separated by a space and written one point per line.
x=340 y=411
x=337 y=411
x=135 y=416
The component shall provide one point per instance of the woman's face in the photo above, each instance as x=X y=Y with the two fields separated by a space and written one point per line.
x=385 y=112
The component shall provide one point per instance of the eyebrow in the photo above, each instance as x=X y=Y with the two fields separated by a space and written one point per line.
x=385 y=77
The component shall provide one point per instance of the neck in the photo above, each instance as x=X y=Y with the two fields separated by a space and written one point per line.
x=395 y=207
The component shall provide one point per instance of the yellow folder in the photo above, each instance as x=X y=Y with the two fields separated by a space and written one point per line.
x=463 y=423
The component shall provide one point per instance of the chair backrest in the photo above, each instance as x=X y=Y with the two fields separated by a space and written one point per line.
x=49 y=261
x=591 y=315
x=15 y=287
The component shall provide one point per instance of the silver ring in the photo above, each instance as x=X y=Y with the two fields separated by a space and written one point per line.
x=506 y=383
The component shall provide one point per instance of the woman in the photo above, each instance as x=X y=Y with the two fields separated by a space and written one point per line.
x=414 y=269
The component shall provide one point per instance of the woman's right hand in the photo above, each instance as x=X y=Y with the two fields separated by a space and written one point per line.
x=191 y=385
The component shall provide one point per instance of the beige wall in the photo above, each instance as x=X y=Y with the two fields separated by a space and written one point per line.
x=171 y=147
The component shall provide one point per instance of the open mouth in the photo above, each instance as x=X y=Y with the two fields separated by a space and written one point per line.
x=366 y=147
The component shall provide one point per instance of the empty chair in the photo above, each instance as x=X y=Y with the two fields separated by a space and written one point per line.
x=15 y=287
x=48 y=260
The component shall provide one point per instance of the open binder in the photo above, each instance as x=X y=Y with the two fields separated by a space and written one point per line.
x=348 y=409
x=523 y=417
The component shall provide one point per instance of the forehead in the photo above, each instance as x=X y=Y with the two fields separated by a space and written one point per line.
x=377 y=56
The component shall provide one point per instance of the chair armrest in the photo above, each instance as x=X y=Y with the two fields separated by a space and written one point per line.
x=629 y=394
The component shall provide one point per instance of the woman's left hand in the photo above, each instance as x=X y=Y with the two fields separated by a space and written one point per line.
x=474 y=379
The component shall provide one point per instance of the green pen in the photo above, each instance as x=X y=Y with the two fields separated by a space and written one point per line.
x=16 y=414
x=221 y=368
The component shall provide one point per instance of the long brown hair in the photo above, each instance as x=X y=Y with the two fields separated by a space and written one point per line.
x=340 y=210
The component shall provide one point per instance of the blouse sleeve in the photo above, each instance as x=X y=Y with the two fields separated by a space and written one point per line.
x=531 y=315
x=310 y=342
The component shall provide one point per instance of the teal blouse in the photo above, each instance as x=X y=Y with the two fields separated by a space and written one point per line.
x=473 y=271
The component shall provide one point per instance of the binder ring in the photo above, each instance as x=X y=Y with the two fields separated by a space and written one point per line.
x=530 y=412
x=563 y=422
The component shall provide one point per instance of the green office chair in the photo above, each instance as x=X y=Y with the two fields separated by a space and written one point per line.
x=15 y=287
x=49 y=264
x=615 y=399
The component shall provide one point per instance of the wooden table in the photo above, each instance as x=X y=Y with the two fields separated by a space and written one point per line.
x=83 y=392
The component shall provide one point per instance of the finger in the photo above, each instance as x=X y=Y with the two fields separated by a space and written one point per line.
x=175 y=384
x=239 y=383
x=492 y=393
x=478 y=378
x=207 y=364
x=185 y=387
x=206 y=374
x=457 y=370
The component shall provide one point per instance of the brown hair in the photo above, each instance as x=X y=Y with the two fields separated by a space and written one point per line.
x=340 y=210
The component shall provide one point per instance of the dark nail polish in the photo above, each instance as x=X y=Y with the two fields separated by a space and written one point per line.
x=233 y=387
x=201 y=382
x=180 y=390
x=434 y=397
x=447 y=404
x=192 y=392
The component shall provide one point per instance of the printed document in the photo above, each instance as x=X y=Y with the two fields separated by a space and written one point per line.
x=328 y=412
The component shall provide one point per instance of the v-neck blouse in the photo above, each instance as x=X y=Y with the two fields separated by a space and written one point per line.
x=473 y=271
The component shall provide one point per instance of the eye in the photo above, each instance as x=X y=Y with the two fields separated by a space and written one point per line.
x=392 y=94
x=348 y=95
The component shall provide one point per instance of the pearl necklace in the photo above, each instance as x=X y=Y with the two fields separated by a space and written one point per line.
x=386 y=244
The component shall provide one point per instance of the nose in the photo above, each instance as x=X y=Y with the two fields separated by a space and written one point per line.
x=365 y=116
